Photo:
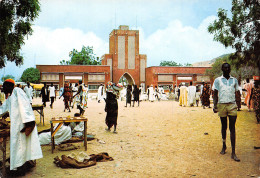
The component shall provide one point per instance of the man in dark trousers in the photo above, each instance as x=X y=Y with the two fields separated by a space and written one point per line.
x=225 y=88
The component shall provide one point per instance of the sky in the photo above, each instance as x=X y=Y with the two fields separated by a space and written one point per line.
x=174 y=30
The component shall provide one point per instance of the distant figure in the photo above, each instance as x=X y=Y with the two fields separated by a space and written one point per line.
x=224 y=101
x=136 y=94
x=191 y=95
x=151 y=94
x=128 y=95
x=238 y=98
x=67 y=96
x=256 y=98
x=111 y=107
x=156 y=93
x=45 y=95
x=81 y=105
x=183 y=95
x=29 y=91
x=205 y=96
x=100 y=93
x=74 y=91
x=52 y=94
x=197 y=96
x=147 y=91
x=248 y=86
x=2 y=96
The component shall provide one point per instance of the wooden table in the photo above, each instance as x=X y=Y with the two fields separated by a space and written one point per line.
x=39 y=109
x=4 y=134
x=62 y=120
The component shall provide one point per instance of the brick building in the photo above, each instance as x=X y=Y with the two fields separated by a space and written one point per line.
x=123 y=60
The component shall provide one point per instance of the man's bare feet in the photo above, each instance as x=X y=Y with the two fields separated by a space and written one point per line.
x=107 y=129
x=115 y=132
x=223 y=151
x=234 y=157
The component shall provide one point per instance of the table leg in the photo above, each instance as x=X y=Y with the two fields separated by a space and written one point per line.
x=52 y=139
x=85 y=135
x=42 y=116
x=4 y=157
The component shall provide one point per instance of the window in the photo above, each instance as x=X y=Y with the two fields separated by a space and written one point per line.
x=93 y=87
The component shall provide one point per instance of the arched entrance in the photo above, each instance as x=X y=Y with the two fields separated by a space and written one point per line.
x=126 y=79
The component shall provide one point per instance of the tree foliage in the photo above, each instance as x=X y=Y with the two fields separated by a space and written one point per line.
x=241 y=31
x=84 y=57
x=31 y=75
x=241 y=73
x=7 y=77
x=172 y=63
x=16 y=17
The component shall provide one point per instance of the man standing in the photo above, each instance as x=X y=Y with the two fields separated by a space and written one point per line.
x=24 y=141
x=52 y=94
x=191 y=95
x=100 y=93
x=29 y=91
x=224 y=101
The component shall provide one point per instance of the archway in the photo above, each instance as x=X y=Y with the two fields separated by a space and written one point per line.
x=126 y=79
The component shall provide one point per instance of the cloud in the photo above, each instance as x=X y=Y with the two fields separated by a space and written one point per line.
x=181 y=43
x=48 y=46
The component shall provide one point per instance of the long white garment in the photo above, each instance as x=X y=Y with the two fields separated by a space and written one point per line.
x=100 y=95
x=63 y=134
x=151 y=94
x=191 y=95
x=22 y=148
x=52 y=91
x=29 y=92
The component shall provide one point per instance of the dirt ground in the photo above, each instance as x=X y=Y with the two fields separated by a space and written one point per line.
x=158 y=139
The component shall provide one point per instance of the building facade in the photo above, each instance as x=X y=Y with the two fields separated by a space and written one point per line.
x=123 y=60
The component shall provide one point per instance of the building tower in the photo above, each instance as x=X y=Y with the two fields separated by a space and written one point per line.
x=124 y=58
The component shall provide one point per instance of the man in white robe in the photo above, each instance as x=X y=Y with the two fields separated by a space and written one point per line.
x=24 y=141
x=151 y=94
x=29 y=91
x=100 y=93
x=191 y=95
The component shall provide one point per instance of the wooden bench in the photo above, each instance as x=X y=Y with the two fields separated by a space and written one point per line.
x=60 y=121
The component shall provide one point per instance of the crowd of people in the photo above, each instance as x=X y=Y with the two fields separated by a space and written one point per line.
x=226 y=93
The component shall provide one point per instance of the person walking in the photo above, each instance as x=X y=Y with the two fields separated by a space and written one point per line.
x=67 y=96
x=111 y=107
x=45 y=95
x=100 y=93
x=52 y=94
x=248 y=87
x=136 y=94
x=224 y=101
x=128 y=95
x=205 y=96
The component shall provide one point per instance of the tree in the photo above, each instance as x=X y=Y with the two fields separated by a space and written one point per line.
x=169 y=63
x=7 y=77
x=16 y=17
x=85 y=57
x=241 y=73
x=241 y=32
x=31 y=75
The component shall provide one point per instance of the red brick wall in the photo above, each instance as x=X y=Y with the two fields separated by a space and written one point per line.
x=152 y=77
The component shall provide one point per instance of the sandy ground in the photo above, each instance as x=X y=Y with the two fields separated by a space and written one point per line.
x=158 y=139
